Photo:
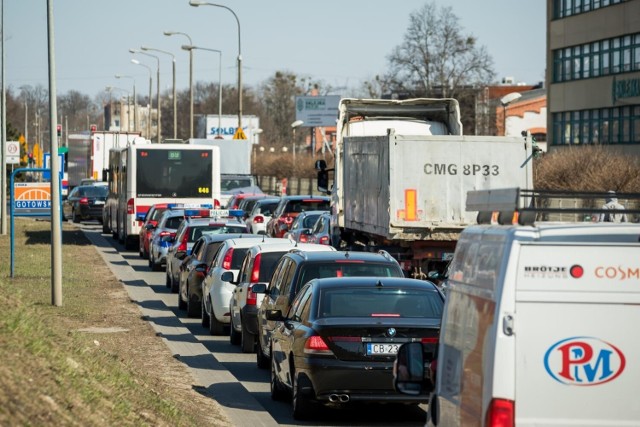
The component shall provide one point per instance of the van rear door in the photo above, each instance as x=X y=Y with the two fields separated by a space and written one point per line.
x=576 y=327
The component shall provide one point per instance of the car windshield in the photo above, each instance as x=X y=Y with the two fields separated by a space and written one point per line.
x=309 y=220
x=307 y=205
x=230 y=184
x=319 y=270
x=379 y=302
x=93 y=191
x=224 y=229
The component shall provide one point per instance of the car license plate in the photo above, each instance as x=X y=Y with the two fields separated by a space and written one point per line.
x=383 y=349
x=98 y=202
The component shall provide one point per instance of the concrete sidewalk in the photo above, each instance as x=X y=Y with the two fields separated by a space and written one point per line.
x=208 y=373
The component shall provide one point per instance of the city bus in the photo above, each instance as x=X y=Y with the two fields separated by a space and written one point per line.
x=141 y=175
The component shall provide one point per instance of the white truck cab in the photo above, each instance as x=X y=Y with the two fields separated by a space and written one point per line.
x=539 y=327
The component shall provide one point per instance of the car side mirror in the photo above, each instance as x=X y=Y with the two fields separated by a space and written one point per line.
x=409 y=370
x=259 y=288
x=227 y=276
x=180 y=255
x=149 y=227
x=274 y=315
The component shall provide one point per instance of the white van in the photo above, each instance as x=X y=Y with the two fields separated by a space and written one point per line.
x=539 y=327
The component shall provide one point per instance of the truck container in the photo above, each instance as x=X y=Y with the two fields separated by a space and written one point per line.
x=402 y=172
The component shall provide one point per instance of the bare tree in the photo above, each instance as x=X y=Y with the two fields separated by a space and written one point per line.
x=436 y=59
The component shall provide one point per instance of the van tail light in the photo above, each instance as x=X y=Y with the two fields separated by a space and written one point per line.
x=316 y=345
x=130 y=207
x=226 y=262
x=501 y=413
x=258 y=219
x=183 y=244
x=84 y=201
x=324 y=240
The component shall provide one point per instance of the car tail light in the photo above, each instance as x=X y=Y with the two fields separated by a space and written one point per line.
x=431 y=340
x=259 y=219
x=288 y=219
x=216 y=204
x=255 y=273
x=226 y=262
x=316 y=345
x=84 y=201
x=304 y=238
x=183 y=244
x=324 y=240
x=501 y=413
x=252 y=297
x=130 y=207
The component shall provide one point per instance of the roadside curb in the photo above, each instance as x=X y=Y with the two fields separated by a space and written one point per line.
x=209 y=375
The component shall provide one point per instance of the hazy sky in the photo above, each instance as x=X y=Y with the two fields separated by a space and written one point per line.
x=342 y=43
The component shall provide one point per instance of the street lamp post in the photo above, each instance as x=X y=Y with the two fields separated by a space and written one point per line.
x=159 y=127
x=135 y=61
x=295 y=125
x=175 y=105
x=197 y=3
x=171 y=33
x=191 y=48
x=135 y=101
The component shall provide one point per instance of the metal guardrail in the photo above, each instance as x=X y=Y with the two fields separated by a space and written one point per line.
x=525 y=206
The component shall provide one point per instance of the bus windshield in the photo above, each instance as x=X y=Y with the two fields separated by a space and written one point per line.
x=173 y=173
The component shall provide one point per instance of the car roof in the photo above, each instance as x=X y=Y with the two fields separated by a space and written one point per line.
x=344 y=255
x=300 y=197
x=247 y=242
x=210 y=237
x=404 y=282
x=287 y=245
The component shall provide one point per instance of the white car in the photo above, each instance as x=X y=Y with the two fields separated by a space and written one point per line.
x=217 y=292
x=257 y=267
x=261 y=214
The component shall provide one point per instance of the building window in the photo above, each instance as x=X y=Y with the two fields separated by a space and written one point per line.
x=600 y=58
x=618 y=125
x=565 y=8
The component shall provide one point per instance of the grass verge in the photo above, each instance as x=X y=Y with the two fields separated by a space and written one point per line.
x=59 y=367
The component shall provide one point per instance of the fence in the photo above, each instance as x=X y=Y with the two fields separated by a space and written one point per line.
x=289 y=186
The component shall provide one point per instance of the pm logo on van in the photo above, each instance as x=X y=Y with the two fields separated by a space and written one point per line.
x=584 y=361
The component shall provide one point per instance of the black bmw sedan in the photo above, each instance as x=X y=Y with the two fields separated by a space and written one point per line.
x=338 y=341
x=85 y=202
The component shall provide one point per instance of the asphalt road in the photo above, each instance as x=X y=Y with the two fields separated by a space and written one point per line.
x=220 y=369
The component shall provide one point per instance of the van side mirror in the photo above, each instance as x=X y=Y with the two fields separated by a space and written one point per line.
x=409 y=370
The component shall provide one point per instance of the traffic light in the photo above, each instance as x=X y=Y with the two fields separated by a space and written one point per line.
x=59 y=128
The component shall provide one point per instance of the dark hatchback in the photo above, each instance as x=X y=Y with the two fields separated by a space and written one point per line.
x=85 y=202
x=339 y=339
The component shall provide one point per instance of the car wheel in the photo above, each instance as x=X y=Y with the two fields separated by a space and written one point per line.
x=193 y=306
x=303 y=407
x=216 y=327
x=277 y=390
x=203 y=314
x=151 y=260
x=234 y=336
x=75 y=218
x=247 y=341
x=105 y=229
x=145 y=253
x=261 y=359
x=140 y=251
